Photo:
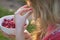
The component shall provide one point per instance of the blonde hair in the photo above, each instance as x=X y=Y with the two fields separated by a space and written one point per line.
x=46 y=12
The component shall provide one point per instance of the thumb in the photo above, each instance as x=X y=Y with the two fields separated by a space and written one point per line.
x=28 y=14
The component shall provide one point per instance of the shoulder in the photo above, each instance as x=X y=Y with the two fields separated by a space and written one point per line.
x=53 y=36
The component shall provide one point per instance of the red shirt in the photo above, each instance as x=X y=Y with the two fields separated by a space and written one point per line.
x=53 y=36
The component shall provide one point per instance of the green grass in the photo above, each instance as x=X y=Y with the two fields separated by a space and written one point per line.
x=2 y=37
x=4 y=12
x=31 y=27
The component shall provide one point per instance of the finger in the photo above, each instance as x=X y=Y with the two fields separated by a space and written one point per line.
x=25 y=10
x=25 y=6
x=28 y=14
x=26 y=32
x=22 y=11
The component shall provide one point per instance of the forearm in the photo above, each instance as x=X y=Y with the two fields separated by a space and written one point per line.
x=20 y=36
x=20 y=30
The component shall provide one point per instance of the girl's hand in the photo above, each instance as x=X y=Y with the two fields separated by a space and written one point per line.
x=20 y=21
x=27 y=35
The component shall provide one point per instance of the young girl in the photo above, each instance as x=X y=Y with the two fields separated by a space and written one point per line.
x=47 y=19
